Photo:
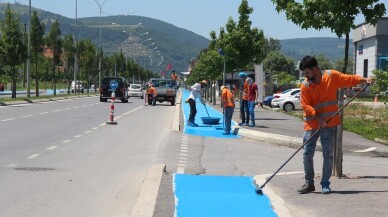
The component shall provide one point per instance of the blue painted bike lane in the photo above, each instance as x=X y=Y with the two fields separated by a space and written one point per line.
x=213 y=196
x=205 y=130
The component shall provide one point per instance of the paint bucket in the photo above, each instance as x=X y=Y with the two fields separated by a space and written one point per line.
x=210 y=120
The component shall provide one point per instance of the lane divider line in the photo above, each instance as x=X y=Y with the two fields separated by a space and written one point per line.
x=366 y=150
x=9 y=119
x=26 y=116
x=52 y=147
x=11 y=165
x=77 y=136
x=66 y=141
x=33 y=156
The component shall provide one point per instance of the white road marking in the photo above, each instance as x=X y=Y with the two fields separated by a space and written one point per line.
x=181 y=165
x=183 y=154
x=76 y=107
x=52 y=147
x=9 y=119
x=57 y=110
x=184 y=151
x=43 y=113
x=95 y=128
x=11 y=165
x=103 y=124
x=180 y=170
x=86 y=132
x=183 y=161
x=67 y=108
x=366 y=150
x=33 y=156
x=66 y=141
x=77 y=136
x=26 y=116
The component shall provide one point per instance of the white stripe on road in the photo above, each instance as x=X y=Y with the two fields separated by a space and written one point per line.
x=11 y=165
x=52 y=147
x=95 y=128
x=9 y=119
x=366 y=150
x=26 y=116
x=43 y=113
x=86 y=132
x=66 y=141
x=77 y=136
x=180 y=170
x=33 y=156
x=57 y=110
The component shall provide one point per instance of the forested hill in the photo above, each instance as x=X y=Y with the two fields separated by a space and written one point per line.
x=333 y=48
x=178 y=46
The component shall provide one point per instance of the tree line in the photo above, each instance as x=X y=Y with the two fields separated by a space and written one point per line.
x=240 y=47
x=53 y=56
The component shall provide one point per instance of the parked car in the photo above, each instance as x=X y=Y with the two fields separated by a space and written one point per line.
x=77 y=86
x=135 y=90
x=287 y=93
x=121 y=91
x=288 y=103
x=267 y=101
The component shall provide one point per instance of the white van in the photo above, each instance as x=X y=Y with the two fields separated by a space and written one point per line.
x=78 y=88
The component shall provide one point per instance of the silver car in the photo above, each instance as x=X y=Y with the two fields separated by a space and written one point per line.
x=136 y=90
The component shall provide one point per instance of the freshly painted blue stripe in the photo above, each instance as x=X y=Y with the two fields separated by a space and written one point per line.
x=212 y=196
x=203 y=129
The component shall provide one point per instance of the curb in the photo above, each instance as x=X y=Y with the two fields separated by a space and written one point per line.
x=146 y=200
x=292 y=142
x=41 y=100
x=175 y=121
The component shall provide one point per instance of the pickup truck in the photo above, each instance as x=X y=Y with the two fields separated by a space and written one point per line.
x=165 y=90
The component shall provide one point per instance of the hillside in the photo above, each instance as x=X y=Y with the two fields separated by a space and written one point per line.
x=178 y=46
x=333 y=48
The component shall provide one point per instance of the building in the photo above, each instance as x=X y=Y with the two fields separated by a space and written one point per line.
x=371 y=47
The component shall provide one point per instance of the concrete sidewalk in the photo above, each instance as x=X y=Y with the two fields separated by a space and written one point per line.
x=278 y=127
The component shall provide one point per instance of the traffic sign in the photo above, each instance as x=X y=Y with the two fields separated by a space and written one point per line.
x=114 y=84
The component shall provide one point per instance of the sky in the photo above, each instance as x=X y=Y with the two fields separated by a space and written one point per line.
x=198 y=16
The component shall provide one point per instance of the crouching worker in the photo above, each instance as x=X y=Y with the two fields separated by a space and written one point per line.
x=152 y=92
x=194 y=95
x=228 y=102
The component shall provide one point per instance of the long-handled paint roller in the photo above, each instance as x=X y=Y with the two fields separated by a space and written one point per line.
x=259 y=189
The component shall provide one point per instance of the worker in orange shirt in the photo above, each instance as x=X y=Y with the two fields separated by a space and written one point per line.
x=244 y=111
x=319 y=102
x=152 y=92
x=228 y=102
x=174 y=78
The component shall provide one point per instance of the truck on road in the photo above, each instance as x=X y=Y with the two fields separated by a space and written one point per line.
x=165 y=90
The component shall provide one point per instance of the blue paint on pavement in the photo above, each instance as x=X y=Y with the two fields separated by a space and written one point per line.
x=206 y=130
x=210 y=196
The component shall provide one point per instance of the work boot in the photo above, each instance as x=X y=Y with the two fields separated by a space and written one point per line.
x=306 y=188
x=326 y=190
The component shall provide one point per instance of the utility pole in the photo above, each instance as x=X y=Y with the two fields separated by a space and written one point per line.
x=100 y=53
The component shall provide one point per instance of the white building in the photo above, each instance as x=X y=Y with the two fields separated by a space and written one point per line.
x=371 y=47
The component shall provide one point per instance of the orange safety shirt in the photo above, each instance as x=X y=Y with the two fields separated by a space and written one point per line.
x=152 y=91
x=227 y=98
x=174 y=77
x=321 y=99
x=246 y=90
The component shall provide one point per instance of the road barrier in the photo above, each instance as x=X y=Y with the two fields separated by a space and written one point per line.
x=112 y=110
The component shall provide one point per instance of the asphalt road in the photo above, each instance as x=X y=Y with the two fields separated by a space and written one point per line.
x=61 y=159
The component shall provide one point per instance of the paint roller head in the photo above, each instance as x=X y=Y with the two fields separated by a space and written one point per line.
x=259 y=191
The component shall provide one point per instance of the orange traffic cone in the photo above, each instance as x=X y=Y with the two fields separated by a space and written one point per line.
x=376 y=99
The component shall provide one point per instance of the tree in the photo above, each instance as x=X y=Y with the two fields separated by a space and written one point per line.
x=381 y=85
x=323 y=61
x=13 y=50
x=276 y=62
x=337 y=15
x=273 y=45
x=87 y=52
x=37 y=43
x=242 y=45
x=68 y=51
x=339 y=63
x=54 y=42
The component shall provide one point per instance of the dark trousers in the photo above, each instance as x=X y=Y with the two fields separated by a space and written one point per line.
x=228 y=113
x=244 y=111
x=193 y=110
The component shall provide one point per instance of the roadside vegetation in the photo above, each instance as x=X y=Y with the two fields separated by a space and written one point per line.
x=370 y=123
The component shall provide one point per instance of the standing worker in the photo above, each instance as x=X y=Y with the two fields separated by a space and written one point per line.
x=228 y=102
x=174 y=78
x=244 y=112
x=152 y=92
x=252 y=97
x=194 y=95
x=319 y=103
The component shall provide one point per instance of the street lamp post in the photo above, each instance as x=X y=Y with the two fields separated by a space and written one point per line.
x=223 y=73
x=29 y=51
x=100 y=54
x=75 y=70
